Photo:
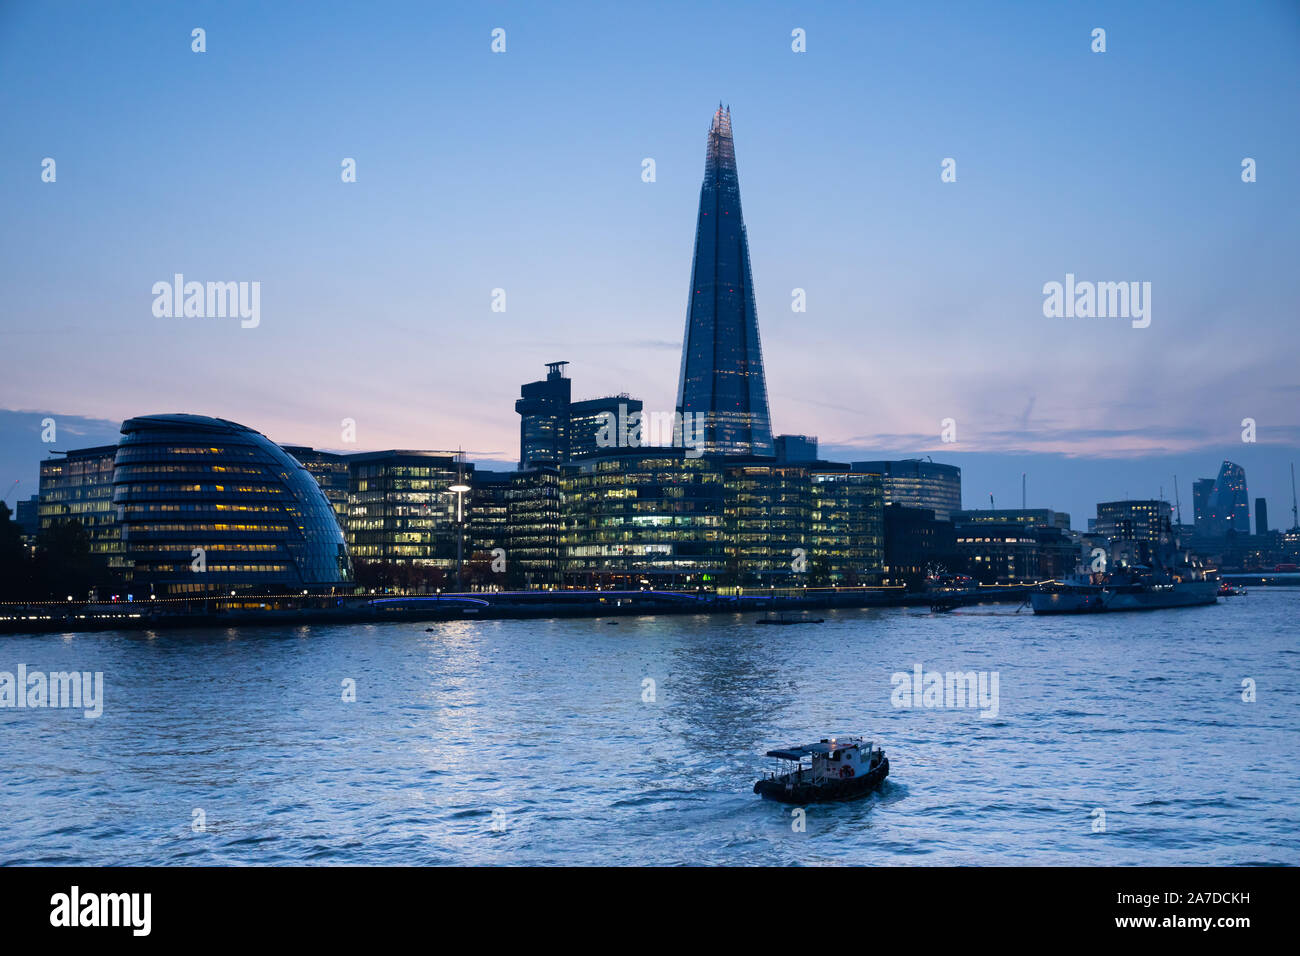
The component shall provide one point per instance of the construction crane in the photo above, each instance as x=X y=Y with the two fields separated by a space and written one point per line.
x=1177 y=503
x=1295 y=516
x=18 y=481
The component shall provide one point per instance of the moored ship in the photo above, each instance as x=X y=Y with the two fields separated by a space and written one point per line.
x=1143 y=575
x=1135 y=589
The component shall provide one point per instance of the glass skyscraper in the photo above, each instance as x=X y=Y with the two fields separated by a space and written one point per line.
x=722 y=358
x=1230 y=503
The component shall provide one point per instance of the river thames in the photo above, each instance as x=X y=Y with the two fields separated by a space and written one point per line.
x=1117 y=739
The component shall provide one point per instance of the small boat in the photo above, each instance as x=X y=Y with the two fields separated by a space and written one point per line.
x=837 y=768
x=1231 y=590
x=782 y=619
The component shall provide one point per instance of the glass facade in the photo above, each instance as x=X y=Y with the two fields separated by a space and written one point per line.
x=642 y=513
x=722 y=358
x=1230 y=504
x=658 y=515
x=543 y=409
x=535 y=528
x=1202 y=492
x=79 y=486
x=1136 y=529
x=588 y=419
x=918 y=484
x=401 y=508
x=768 y=510
x=487 y=521
x=256 y=518
x=846 y=542
x=796 y=447
x=331 y=471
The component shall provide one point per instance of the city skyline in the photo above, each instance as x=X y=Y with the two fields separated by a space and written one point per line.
x=387 y=289
x=413 y=455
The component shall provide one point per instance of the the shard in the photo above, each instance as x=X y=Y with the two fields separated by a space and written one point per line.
x=722 y=384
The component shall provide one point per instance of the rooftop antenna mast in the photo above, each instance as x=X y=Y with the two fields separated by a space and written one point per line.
x=1177 y=502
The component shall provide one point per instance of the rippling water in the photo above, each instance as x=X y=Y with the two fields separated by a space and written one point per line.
x=543 y=722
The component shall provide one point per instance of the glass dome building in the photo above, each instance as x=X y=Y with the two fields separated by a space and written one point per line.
x=208 y=505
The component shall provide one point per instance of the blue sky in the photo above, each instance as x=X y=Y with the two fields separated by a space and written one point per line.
x=522 y=171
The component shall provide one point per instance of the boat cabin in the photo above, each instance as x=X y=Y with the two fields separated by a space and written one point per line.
x=832 y=758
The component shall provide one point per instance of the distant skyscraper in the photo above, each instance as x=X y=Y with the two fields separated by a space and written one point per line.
x=1261 y=516
x=544 y=419
x=1230 y=503
x=722 y=358
x=1202 y=492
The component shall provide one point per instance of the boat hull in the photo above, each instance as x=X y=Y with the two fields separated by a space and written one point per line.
x=784 y=790
x=1182 y=594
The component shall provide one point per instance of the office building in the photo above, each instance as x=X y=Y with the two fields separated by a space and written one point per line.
x=1026 y=517
x=332 y=472
x=915 y=483
x=999 y=552
x=916 y=544
x=535 y=528
x=487 y=528
x=639 y=514
x=1202 y=493
x=1230 y=504
x=796 y=448
x=402 y=509
x=207 y=505
x=28 y=517
x=543 y=409
x=79 y=486
x=846 y=536
x=768 y=519
x=595 y=425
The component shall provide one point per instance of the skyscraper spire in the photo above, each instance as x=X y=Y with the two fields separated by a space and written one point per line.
x=722 y=358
